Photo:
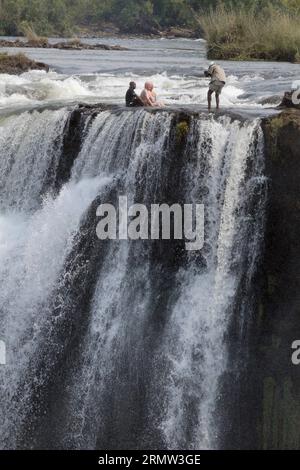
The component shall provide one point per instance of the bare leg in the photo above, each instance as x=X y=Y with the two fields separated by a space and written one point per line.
x=209 y=95
x=218 y=100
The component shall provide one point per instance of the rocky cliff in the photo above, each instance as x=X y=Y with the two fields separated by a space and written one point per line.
x=275 y=381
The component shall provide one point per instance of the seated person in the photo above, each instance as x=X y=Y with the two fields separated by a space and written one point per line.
x=148 y=96
x=132 y=99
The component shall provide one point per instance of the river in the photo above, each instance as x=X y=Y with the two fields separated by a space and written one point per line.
x=174 y=65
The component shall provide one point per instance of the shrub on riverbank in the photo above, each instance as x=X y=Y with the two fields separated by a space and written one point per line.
x=19 y=63
x=248 y=34
x=33 y=39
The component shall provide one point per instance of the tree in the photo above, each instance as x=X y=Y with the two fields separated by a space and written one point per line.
x=58 y=16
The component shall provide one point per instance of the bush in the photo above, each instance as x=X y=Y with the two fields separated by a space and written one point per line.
x=32 y=37
x=18 y=63
x=247 y=34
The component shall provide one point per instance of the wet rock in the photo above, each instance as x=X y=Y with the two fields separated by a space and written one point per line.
x=290 y=100
x=278 y=300
x=275 y=99
x=67 y=45
x=182 y=33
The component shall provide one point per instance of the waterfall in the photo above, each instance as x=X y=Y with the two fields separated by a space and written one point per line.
x=122 y=344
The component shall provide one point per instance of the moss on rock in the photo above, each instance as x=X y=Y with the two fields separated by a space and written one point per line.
x=182 y=130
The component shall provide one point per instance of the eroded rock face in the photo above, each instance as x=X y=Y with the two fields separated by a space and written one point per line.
x=290 y=100
x=278 y=306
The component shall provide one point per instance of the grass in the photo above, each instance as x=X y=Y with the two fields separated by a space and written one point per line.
x=18 y=63
x=15 y=58
x=32 y=37
x=247 y=34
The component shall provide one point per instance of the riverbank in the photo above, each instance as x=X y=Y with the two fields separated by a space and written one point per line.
x=246 y=35
x=19 y=63
x=73 y=44
x=142 y=31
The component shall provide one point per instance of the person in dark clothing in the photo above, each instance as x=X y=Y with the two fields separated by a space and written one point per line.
x=132 y=99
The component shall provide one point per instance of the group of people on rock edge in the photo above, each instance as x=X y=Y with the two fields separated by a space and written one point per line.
x=148 y=96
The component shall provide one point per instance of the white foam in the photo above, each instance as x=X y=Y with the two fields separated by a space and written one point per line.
x=32 y=253
x=195 y=346
x=41 y=86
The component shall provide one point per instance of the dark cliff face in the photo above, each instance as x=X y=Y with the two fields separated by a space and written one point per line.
x=277 y=320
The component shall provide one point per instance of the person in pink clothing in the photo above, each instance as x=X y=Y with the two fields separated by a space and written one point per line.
x=148 y=96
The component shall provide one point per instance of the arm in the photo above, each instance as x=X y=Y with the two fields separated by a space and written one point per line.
x=138 y=101
x=145 y=99
x=209 y=71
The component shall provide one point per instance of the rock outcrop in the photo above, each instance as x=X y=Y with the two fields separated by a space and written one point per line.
x=76 y=45
x=290 y=100
x=19 y=63
x=279 y=307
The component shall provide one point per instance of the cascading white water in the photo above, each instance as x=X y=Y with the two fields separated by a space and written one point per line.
x=151 y=358
x=30 y=145
x=126 y=144
x=195 y=343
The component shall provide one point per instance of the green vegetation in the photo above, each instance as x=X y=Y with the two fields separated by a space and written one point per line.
x=4 y=57
x=235 y=29
x=182 y=130
x=247 y=32
x=32 y=37
x=64 y=16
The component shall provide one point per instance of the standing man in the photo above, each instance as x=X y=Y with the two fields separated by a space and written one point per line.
x=132 y=99
x=218 y=80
